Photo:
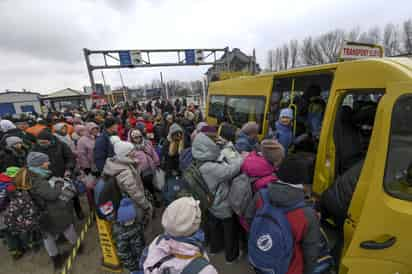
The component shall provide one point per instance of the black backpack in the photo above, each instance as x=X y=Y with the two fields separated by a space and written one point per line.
x=197 y=187
x=107 y=197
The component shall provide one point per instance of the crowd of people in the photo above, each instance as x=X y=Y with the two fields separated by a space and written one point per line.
x=220 y=188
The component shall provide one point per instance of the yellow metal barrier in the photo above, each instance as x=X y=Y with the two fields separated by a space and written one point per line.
x=110 y=260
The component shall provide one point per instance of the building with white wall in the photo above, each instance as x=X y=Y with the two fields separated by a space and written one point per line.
x=16 y=102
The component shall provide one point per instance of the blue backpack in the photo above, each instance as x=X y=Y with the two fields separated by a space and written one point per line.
x=173 y=189
x=271 y=241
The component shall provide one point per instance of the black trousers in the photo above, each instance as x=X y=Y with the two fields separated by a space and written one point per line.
x=224 y=235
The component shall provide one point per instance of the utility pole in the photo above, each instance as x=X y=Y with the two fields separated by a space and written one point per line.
x=123 y=87
x=164 y=87
x=110 y=96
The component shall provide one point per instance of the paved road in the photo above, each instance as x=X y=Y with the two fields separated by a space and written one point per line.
x=89 y=261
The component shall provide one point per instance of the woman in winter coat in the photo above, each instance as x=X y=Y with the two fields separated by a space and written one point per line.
x=62 y=160
x=14 y=154
x=58 y=212
x=182 y=241
x=171 y=150
x=85 y=158
x=123 y=167
x=146 y=156
x=218 y=168
x=85 y=148
x=60 y=131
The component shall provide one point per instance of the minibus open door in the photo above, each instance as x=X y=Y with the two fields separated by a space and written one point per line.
x=378 y=230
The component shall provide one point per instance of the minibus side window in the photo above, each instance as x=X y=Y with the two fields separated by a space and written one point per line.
x=398 y=173
x=243 y=109
x=217 y=106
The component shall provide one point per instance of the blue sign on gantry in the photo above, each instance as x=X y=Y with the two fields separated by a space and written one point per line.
x=190 y=56
x=124 y=57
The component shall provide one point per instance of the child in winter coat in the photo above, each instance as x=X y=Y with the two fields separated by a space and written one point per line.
x=128 y=233
x=284 y=132
x=182 y=242
x=286 y=193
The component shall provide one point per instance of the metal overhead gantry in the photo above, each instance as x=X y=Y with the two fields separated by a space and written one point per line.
x=143 y=58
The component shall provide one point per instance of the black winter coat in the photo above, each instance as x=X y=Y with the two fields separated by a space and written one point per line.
x=335 y=201
x=58 y=214
x=169 y=163
x=60 y=155
x=10 y=157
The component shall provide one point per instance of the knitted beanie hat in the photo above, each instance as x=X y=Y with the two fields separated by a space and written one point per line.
x=182 y=217
x=273 y=151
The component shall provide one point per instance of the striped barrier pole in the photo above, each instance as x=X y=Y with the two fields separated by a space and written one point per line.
x=69 y=263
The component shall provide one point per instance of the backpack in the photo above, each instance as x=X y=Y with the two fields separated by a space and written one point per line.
x=173 y=189
x=271 y=241
x=23 y=179
x=197 y=187
x=185 y=158
x=107 y=197
x=22 y=214
x=240 y=194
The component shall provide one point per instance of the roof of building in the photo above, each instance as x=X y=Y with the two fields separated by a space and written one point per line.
x=18 y=92
x=67 y=92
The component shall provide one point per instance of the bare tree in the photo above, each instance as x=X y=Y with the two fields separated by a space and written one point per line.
x=391 y=41
x=278 y=60
x=306 y=51
x=375 y=35
x=354 y=34
x=270 y=59
x=285 y=56
x=293 y=50
x=329 y=45
x=407 y=36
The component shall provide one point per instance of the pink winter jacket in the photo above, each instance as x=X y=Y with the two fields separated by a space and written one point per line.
x=147 y=157
x=158 y=250
x=256 y=166
x=85 y=147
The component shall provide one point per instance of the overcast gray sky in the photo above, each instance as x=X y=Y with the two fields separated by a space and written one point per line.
x=41 y=41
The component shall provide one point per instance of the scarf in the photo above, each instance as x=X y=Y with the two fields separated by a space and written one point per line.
x=44 y=173
x=196 y=239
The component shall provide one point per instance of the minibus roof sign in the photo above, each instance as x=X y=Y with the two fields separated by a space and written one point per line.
x=355 y=50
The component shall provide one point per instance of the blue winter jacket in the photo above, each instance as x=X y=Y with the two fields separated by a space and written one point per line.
x=284 y=135
x=103 y=149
